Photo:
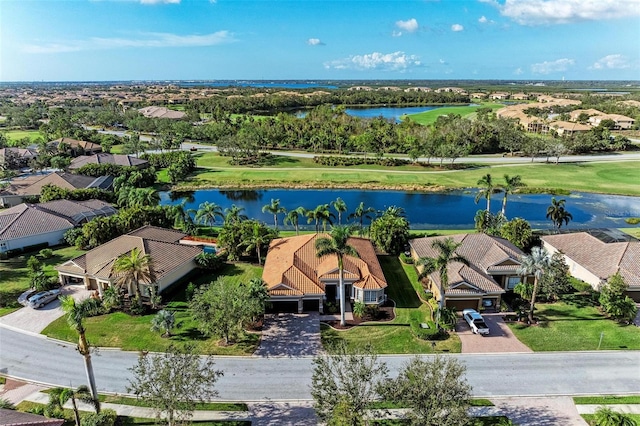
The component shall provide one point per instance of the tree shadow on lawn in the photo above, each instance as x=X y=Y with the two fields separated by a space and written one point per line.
x=580 y=300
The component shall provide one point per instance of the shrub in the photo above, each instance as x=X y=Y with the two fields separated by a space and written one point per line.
x=406 y=259
x=331 y=308
x=111 y=299
x=358 y=309
x=106 y=417
x=633 y=220
x=46 y=253
x=605 y=416
x=614 y=302
x=136 y=308
x=209 y=261
x=190 y=291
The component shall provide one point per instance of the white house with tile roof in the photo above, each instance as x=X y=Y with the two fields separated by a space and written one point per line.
x=170 y=260
x=493 y=263
x=28 y=225
x=298 y=280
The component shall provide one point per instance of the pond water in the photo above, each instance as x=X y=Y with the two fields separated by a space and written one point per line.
x=427 y=210
x=390 y=112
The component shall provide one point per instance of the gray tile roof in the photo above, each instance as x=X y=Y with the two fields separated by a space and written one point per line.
x=32 y=185
x=104 y=158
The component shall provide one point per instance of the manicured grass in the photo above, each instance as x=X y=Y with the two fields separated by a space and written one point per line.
x=430 y=117
x=397 y=336
x=632 y=231
x=591 y=418
x=604 y=177
x=575 y=325
x=15 y=277
x=607 y=399
x=16 y=135
x=208 y=406
x=133 y=333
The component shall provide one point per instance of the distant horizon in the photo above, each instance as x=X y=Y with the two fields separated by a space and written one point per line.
x=265 y=40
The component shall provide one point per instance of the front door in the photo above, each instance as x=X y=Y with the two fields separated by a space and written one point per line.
x=330 y=292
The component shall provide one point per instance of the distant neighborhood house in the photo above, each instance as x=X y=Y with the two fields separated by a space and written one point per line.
x=16 y=158
x=493 y=263
x=596 y=255
x=298 y=280
x=161 y=112
x=22 y=187
x=104 y=158
x=170 y=260
x=27 y=225
x=77 y=146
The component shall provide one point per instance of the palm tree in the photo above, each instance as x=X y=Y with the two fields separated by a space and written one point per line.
x=511 y=184
x=340 y=207
x=207 y=213
x=487 y=188
x=293 y=217
x=133 y=268
x=234 y=214
x=275 y=209
x=446 y=255
x=163 y=321
x=140 y=197
x=337 y=244
x=324 y=215
x=557 y=213
x=59 y=396
x=360 y=213
x=257 y=239
x=534 y=264
x=76 y=312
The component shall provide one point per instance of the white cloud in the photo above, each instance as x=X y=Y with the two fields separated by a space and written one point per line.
x=315 y=42
x=457 y=27
x=144 y=40
x=410 y=25
x=541 y=12
x=548 y=67
x=518 y=71
x=611 y=62
x=396 y=61
x=483 y=19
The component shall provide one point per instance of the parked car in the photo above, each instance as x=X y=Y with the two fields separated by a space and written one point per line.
x=42 y=298
x=23 y=299
x=475 y=321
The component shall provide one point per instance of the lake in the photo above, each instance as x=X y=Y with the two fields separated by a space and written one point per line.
x=429 y=210
x=391 y=113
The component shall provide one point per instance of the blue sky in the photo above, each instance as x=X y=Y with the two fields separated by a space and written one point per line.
x=80 y=40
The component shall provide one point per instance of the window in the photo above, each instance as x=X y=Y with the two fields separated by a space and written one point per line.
x=512 y=282
x=370 y=296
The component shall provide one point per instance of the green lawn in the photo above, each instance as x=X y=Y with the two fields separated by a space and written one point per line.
x=632 y=231
x=575 y=325
x=397 y=336
x=604 y=177
x=607 y=399
x=133 y=333
x=207 y=406
x=430 y=117
x=591 y=418
x=15 y=279
x=16 y=135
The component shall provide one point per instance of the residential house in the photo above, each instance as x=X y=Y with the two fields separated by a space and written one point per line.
x=104 y=158
x=568 y=128
x=520 y=97
x=596 y=255
x=575 y=114
x=299 y=281
x=170 y=260
x=499 y=95
x=19 y=188
x=27 y=225
x=17 y=158
x=621 y=122
x=78 y=147
x=493 y=263
x=20 y=418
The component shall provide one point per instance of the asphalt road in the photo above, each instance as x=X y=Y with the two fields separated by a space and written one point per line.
x=35 y=358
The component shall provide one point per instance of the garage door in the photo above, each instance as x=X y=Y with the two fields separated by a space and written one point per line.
x=283 y=306
x=311 y=305
x=635 y=295
x=462 y=304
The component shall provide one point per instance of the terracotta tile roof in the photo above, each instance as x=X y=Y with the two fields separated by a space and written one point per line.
x=74 y=143
x=600 y=258
x=161 y=112
x=104 y=158
x=292 y=267
x=31 y=219
x=166 y=255
x=486 y=255
x=33 y=184
x=19 y=418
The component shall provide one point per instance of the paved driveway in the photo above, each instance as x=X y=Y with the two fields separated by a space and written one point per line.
x=36 y=320
x=290 y=335
x=500 y=338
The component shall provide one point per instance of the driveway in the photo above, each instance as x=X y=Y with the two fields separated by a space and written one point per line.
x=290 y=335
x=36 y=320
x=500 y=338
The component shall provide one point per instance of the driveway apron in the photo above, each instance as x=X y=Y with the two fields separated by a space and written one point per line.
x=500 y=338
x=290 y=335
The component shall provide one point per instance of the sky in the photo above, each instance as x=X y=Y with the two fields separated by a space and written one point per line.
x=109 y=40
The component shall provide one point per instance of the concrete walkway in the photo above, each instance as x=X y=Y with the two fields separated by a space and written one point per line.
x=554 y=411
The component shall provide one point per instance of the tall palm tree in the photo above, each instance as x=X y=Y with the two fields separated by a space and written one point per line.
x=275 y=209
x=557 y=213
x=140 y=197
x=76 y=312
x=324 y=215
x=132 y=269
x=446 y=256
x=340 y=207
x=511 y=184
x=207 y=213
x=535 y=264
x=293 y=217
x=360 y=213
x=487 y=188
x=337 y=244
x=259 y=237
x=234 y=214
